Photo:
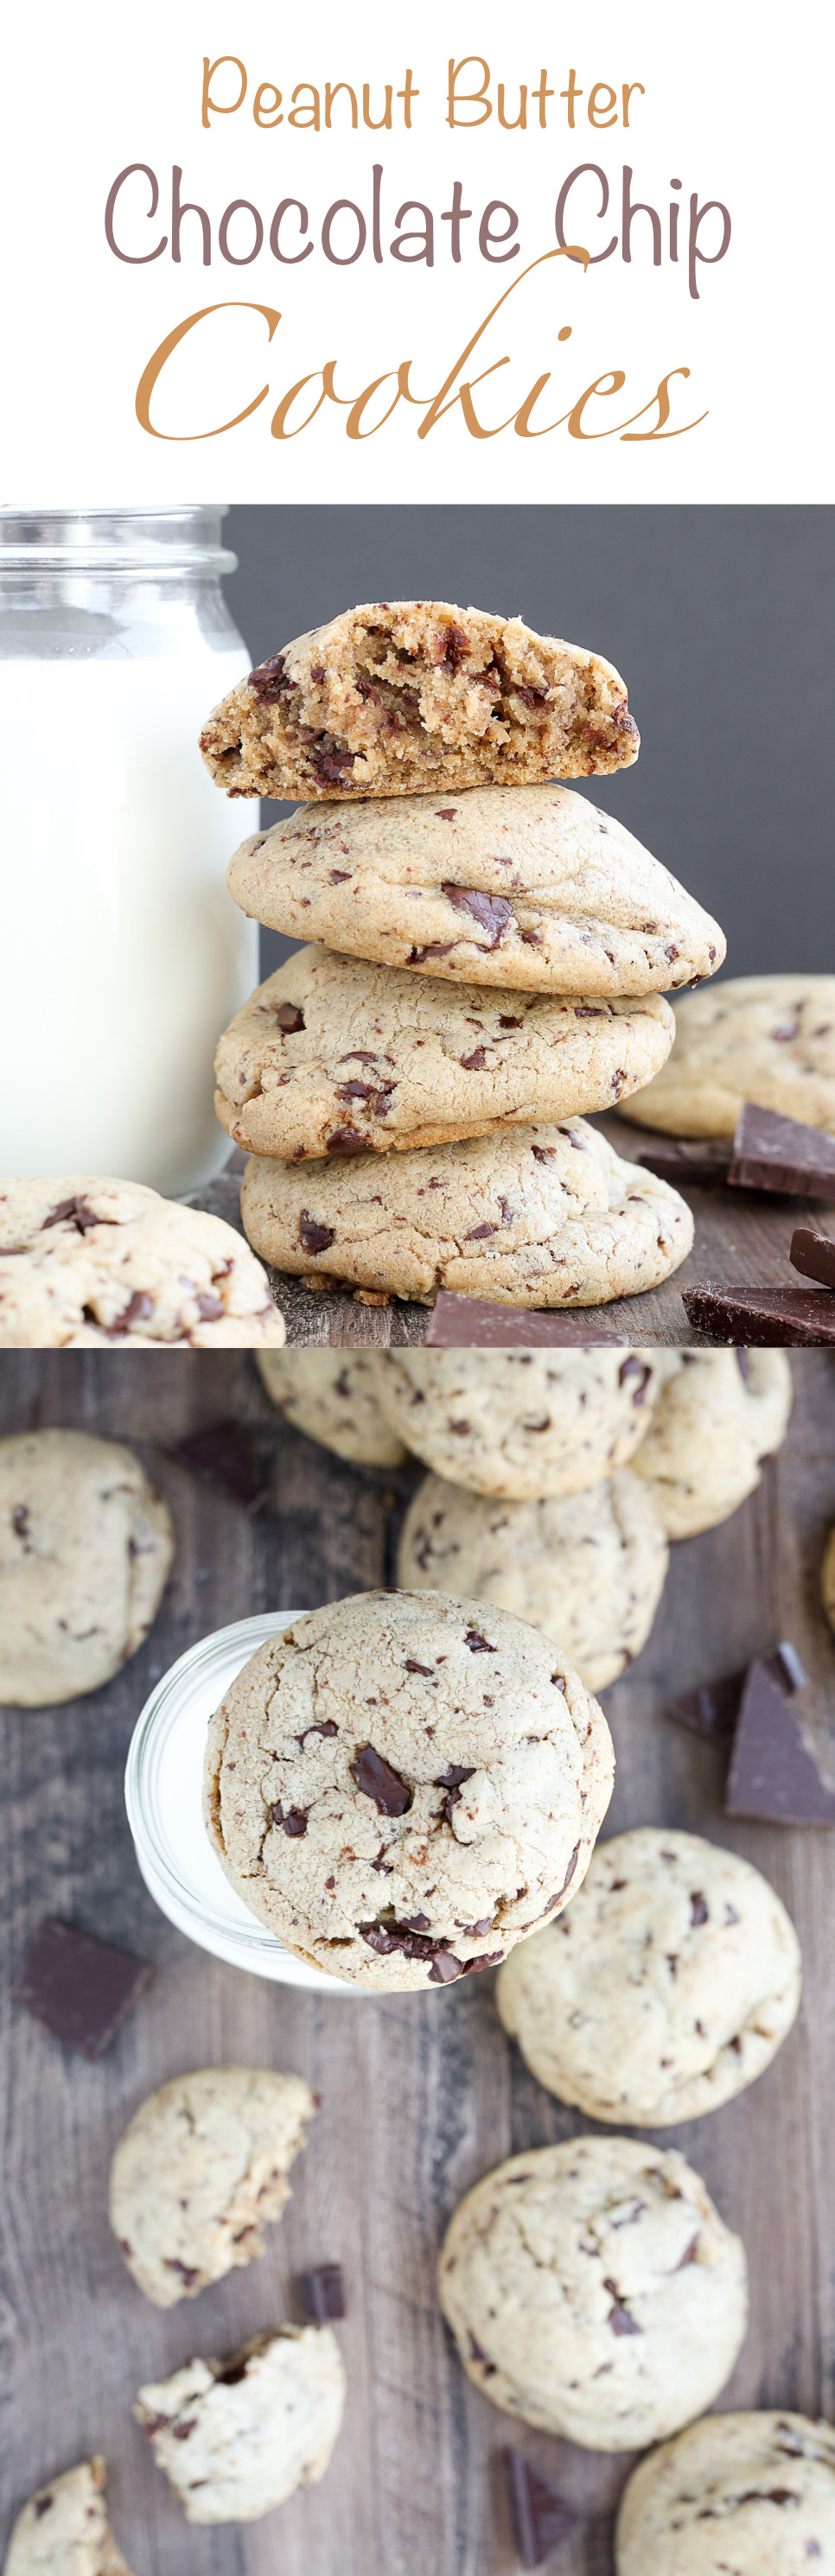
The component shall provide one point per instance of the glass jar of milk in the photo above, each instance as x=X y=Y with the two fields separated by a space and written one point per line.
x=122 y=957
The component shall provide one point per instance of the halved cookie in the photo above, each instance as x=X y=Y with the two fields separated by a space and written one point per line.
x=541 y=1216
x=334 y=1056
x=532 y=887
x=390 y=699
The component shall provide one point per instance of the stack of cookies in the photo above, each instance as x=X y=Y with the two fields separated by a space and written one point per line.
x=491 y=955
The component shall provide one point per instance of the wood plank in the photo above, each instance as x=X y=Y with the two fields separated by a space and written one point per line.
x=742 y=1239
x=419 y=2094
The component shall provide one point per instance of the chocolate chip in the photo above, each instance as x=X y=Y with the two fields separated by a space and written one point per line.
x=619 y=2316
x=476 y=2353
x=339 y=876
x=314 y=1237
x=293 y=1821
x=474 y=1063
x=554 y=1900
x=317 y=671
x=451 y=1780
x=376 y=1779
x=491 y=911
x=435 y=948
x=698 y=1908
x=289 y=1018
x=444 y=1968
x=321 y=1726
x=531 y=938
x=42 y=2505
x=78 y=1213
x=531 y=697
x=446 y=813
x=411 y=1667
x=209 y=1308
x=633 y=1367
x=322 y=2293
x=453 y=646
x=139 y=1309
x=743 y=1362
x=269 y=680
x=187 y=2271
x=541 y=2518
x=346 y=1140
x=78 y=1987
x=233 y=2374
x=479 y=1233
x=20 y=1520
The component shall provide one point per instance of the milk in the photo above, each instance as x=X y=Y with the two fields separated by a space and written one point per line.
x=122 y=957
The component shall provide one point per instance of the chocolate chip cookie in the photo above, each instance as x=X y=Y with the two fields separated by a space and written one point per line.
x=336 y=1396
x=418 y=695
x=718 y=1416
x=588 y=1569
x=525 y=1423
x=668 y=1986
x=85 y=1551
x=541 y=1217
x=528 y=887
x=400 y=1786
x=86 y=1262
x=752 y=2494
x=334 y=1056
x=64 y=2531
x=768 y=1038
x=199 y=2171
x=593 y=2290
x=236 y=2437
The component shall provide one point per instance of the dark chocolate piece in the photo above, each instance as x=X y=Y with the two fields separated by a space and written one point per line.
x=541 y=2518
x=456 y=1322
x=714 y=1709
x=774 y=1153
x=376 y=1778
x=221 y=1456
x=79 y=1988
x=814 y=1254
x=702 y=1166
x=760 y=1317
x=773 y=1774
x=322 y=2293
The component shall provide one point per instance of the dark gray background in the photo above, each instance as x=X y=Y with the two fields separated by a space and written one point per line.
x=721 y=623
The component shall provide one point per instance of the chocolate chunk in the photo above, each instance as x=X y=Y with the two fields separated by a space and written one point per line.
x=289 y=1018
x=221 y=1456
x=312 y=1236
x=78 y=1213
x=638 y=1369
x=701 y=1166
x=773 y=1773
x=478 y=1644
x=269 y=680
x=317 y=671
x=451 y=1780
x=456 y=1323
x=411 y=1667
x=453 y=646
x=814 y=1254
x=322 y=2293
x=321 y=1726
x=711 y=1711
x=698 y=1908
x=619 y=2317
x=138 y=1310
x=474 y=1063
x=187 y=2271
x=375 y=1777
x=760 y=1317
x=479 y=1233
x=346 y=1140
x=209 y=1308
x=78 y=1987
x=530 y=697
x=774 y=1153
x=435 y=948
x=292 y=1819
x=42 y=2505
x=491 y=911
x=20 y=1521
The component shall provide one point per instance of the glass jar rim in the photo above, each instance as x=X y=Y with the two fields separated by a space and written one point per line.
x=165 y=541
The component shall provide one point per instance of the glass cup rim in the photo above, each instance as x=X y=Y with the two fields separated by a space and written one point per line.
x=168 y=540
x=153 y=1854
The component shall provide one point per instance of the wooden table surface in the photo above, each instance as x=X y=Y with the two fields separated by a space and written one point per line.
x=420 y=2094
x=742 y=1240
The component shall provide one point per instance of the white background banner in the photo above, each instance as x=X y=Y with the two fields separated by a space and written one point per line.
x=382 y=315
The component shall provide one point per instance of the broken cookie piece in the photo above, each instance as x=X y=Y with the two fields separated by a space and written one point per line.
x=200 y=2170
x=64 y=2531
x=418 y=695
x=235 y=2437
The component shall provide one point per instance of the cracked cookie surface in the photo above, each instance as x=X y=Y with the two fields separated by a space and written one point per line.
x=767 y=1038
x=718 y=1416
x=236 y=2437
x=525 y=1423
x=666 y=1988
x=393 y=698
x=402 y=1784
x=593 y=2290
x=336 y=1396
x=335 y=1056
x=85 y=1262
x=64 y=2531
x=753 y=2494
x=86 y=1546
x=529 y=887
x=544 y=1216
x=201 y=2168
x=588 y=1568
